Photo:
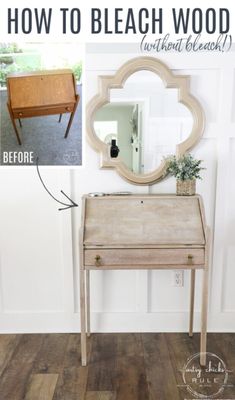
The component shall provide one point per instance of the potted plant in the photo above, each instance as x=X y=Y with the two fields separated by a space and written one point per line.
x=186 y=169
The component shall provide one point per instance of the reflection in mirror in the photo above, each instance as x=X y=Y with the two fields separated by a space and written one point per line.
x=146 y=120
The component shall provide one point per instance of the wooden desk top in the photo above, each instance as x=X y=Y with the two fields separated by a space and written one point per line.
x=39 y=73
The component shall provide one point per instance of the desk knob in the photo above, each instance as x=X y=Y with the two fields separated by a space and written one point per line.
x=67 y=108
x=97 y=260
x=20 y=114
x=190 y=259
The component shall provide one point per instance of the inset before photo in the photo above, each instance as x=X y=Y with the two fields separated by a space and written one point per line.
x=41 y=103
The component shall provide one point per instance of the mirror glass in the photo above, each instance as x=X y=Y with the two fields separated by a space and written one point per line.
x=145 y=120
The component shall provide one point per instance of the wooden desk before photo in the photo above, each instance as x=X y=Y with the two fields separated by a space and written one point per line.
x=41 y=93
x=143 y=232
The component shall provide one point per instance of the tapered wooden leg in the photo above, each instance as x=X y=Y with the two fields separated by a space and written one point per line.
x=204 y=317
x=60 y=118
x=71 y=117
x=14 y=124
x=83 y=317
x=205 y=302
x=192 y=295
x=88 y=303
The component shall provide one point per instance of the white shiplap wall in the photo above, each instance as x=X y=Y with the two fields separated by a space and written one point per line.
x=39 y=277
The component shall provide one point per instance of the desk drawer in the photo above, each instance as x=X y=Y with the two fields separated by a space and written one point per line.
x=132 y=258
x=37 y=111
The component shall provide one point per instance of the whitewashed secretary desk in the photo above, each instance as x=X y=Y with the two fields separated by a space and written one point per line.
x=142 y=231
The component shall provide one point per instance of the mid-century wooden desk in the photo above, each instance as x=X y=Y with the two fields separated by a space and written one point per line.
x=143 y=232
x=40 y=93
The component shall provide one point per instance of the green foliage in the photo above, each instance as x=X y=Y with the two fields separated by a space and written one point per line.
x=28 y=62
x=4 y=70
x=14 y=59
x=7 y=60
x=6 y=48
x=22 y=63
x=184 y=168
x=77 y=70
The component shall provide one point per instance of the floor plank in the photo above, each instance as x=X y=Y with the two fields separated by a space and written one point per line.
x=100 y=396
x=123 y=366
x=102 y=365
x=16 y=373
x=131 y=382
x=181 y=347
x=41 y=387
x=8 y=344
x=72 y=380
x=224 y=347
x=50 y=359
x=161 y=385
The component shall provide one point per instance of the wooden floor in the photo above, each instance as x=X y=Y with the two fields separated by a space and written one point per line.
x=124 y=366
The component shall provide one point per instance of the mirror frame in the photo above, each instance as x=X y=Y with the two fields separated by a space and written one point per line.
x=117 y=81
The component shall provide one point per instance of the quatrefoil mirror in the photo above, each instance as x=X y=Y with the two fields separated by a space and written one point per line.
x=142 y=114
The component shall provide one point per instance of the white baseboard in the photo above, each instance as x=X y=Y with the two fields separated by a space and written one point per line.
x=112 y=322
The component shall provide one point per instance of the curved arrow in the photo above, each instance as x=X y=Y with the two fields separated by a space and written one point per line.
x=58 y=201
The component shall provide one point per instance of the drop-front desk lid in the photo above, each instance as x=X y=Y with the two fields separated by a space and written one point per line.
x=143 y=220
x=41 y=88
